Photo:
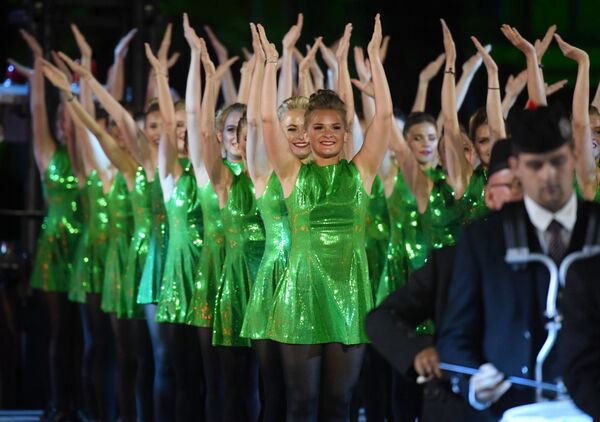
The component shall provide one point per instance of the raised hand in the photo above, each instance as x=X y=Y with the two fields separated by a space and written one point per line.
x=220 y=49
x=556 y=86
x=570 y=51
x=56 y=77
x=542 y=45
x=165 y=44
x=224 y=67
x=362 y=66
x=259 y=53
x=84 y=47
x=154 y=61
x=329 y=57
x=517 y=40
x=59 y=63
x=384 y=48
x=190 y=35
x=33 y=44
x=123 y=45
x=364 y=87
x=75 y=67
x=483 y=52
x=23 y=70
x=373 y=48
x=514 y=85
x=473 y=62
x=309 y=59
x=449 y=47
x=291 y=37
x=341 y=53
x=432 y=69
x=271 y=53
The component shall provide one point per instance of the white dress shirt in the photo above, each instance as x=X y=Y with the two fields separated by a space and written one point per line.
x=541 y=218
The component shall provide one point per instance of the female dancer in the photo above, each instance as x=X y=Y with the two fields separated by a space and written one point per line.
x=244 y=237
x=320 y=303
x=184 y=216
x=127 y=198
x=201 y=308
x=61 y=229
x=274 y=215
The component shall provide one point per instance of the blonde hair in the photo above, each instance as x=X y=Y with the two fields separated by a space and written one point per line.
x=297 y=102
x=224 y=113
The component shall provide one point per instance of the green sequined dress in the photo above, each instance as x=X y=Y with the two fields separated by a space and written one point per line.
x=184 y=215
x=325 y=292
x=377 y=232
x=274 y=261
x=207 y=279
x=141 y=206
x=472 y=204
x=157 y=246
x=119 y=238
x=88 y=274
x=244 y=246
x=61 y=227
x=403 y=214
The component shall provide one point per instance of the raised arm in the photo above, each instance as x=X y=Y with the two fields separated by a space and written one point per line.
x=596 y=100
x=43 y=143
x=493 y=102
x=116 y=155
x=364 y=77
x=163 y=56
x=115 y=83
x=535 y=81
x=305 y=82
x=284 y=162
x=193 y=96
x=345 y=87
x=585 y=165
x=377 y=137
x=332 y=74
x=218 y=173
x=512 y=90
x=227 y=84
x=85 y=92
x=458 y=168
x=168 y=166
x=245 y=79
x=426 y=75
x=285 y=85
x=259 y=167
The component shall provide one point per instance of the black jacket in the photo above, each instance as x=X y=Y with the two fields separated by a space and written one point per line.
x=495 y=311
x=579 y=338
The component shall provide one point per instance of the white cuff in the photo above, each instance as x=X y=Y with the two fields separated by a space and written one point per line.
x=476 y=404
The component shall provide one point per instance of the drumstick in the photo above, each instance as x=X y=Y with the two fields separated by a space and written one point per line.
x=515 y=380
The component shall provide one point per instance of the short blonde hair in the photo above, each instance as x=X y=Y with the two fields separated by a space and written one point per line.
x=297 y=102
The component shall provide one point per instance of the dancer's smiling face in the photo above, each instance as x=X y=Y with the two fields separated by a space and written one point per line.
x=228 y=136
x=326 y=132
x=293 y=127
x=423 y=141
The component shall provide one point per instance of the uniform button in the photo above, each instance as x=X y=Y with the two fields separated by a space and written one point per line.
x=524 y=370
x=527 y=334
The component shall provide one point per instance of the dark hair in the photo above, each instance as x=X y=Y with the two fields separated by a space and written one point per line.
x=223 y=113
x=477 y=119
x=417 y=118
x=594 y=111
x=325 y=99
x=101 y=114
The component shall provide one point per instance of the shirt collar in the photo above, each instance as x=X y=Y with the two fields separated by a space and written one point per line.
x=541 y=218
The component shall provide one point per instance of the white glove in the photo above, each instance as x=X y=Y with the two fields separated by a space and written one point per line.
x=487 y=386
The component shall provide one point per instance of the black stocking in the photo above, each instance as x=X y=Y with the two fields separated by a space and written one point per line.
x=213 y=400
x=302 y=369
x=377 y=385
x=271 y=375
x=61 y=315
x=134 y=373
x=95 y=365
x=240 y=372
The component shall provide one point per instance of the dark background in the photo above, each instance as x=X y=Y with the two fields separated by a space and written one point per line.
x=415 y=40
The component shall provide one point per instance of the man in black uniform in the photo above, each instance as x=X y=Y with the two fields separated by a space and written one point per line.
x=494 y=319
x=391 y=326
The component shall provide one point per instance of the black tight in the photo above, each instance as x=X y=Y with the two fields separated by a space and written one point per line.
x=177 y=376
x=377 y=386
x=96 y=352
x=271 y=375
x=213 y=399
x=322 y=374
x=135 y=371
x=240 y=384
x=61 y=353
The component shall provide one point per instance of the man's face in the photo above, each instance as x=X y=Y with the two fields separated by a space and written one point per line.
x=547 y=178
